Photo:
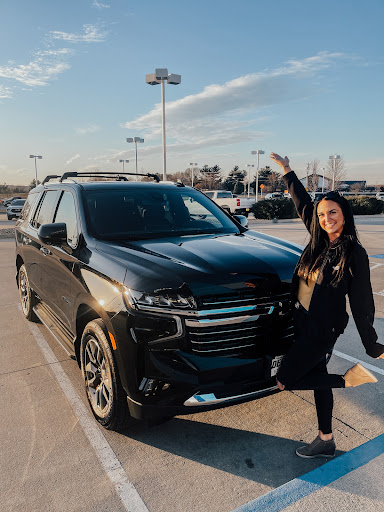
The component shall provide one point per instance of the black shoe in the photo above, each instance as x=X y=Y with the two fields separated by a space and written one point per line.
x=318 y=448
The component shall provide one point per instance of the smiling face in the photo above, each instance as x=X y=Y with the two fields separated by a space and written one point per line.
x=331 y=218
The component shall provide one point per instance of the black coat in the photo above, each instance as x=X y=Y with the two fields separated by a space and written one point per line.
x=327 y=309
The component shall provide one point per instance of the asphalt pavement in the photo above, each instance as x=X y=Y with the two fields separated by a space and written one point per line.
x=54 y=456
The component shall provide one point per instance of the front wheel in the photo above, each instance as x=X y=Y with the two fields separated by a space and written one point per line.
x=10 y=217
x=105 y=393
x=27 y=296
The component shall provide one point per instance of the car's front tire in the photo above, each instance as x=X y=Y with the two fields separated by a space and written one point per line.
x=105 y=393
x=10 y=217
x=27 y=296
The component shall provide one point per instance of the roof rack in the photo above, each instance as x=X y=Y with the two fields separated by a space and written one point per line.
x=49 y=177
x=118 y=176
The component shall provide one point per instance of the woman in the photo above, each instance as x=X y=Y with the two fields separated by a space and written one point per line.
x=333 y=265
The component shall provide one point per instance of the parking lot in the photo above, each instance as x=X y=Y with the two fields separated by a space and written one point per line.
x=54 y=457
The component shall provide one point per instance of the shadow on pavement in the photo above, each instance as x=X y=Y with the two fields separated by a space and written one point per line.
x=266 y=459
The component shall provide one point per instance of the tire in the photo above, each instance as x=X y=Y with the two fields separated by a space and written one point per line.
x=27 y=295
x=106 y=396
x=10 y=217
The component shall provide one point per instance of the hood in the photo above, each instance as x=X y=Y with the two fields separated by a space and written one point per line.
x=200 y=262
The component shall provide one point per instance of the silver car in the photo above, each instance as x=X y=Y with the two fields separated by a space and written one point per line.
x=14 y=209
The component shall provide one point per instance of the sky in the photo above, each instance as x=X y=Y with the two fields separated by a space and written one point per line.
x=299 y=78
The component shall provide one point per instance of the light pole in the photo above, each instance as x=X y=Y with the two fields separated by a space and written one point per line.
x=249 y=175
x=192 y=166
x=257 y=152
x=36 y=157
x=160 y=76
x=333 y=159
x=123 y=162
x=135 y=140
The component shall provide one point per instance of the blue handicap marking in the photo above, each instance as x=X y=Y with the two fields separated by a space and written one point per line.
x=381 y=256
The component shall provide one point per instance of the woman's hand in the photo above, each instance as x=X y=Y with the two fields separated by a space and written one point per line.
x=283 y=162
x=280 y=386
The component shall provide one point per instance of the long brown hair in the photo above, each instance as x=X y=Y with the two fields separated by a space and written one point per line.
x=313 y=255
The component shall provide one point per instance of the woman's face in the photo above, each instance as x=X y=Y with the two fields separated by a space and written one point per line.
x=331 y=218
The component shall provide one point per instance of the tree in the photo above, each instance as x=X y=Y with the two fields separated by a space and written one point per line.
x=234 y=181
x=271 y=179
x=313 y=178
x=211 y=176
x=356 y=188
x=336 y=171
x=33 y=183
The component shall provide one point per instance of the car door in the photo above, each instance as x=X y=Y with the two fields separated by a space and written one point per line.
x=59 y=261
x=33 y=248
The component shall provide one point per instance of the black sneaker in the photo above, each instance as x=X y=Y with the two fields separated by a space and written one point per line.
x=318 y=448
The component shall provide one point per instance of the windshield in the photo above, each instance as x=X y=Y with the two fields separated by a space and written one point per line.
x=18 y=202
x=131 y=213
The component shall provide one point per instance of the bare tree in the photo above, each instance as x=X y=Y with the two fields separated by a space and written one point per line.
x=313 y=178
x=336 y=171
x=356 y=188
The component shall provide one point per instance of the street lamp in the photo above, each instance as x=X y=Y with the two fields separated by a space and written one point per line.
x=123 y=162
x=192 y=166
x=36 y=157
x=160 y=76
x=249 y=175
x=257 y=152
x=333 y=159
x=135 y=140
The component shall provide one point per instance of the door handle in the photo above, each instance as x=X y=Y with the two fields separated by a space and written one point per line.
x=45 y=251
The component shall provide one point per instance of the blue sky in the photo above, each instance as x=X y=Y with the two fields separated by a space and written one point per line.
x=300 y=78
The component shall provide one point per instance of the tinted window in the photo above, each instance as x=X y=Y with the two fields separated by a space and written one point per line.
x=30 y=201
x=224 y=194
x=18 y=202
x=149 y=213
x=44 y=214
x=66 y=212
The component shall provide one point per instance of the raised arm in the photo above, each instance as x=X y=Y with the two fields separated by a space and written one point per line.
x=300 y=196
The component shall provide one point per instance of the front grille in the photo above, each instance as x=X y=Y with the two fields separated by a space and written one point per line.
x=250 y=333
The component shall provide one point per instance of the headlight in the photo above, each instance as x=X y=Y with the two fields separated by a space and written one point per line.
x=142 y=300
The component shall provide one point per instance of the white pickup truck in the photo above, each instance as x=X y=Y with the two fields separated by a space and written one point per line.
x=230 y=202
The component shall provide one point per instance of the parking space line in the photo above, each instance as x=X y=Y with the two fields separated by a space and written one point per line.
x=379 y=293
x=127 y=493
x=354 y=360
x=293 y=491
x=376 y=266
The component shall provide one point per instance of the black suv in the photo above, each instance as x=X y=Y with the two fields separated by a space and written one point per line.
x=169 y=304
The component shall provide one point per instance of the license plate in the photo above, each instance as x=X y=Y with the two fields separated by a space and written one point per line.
x=275 y=365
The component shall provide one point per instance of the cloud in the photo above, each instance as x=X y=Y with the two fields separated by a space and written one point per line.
x=91 y=34
x=5 y=92
x=45 y=67
x=99 y=5
x=92 y=128
x=70 y=160
x=221 y=113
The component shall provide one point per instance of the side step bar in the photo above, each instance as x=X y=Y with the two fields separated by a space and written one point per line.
x=56 y=327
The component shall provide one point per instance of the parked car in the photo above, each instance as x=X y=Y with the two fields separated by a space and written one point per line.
x=169 y=305
x=380 y=195
x=14 y=208
x=274 y=195
x=230 y=202
x=7 y=202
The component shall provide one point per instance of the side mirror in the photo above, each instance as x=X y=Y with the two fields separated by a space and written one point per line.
x=53 y=234
x=241 y=219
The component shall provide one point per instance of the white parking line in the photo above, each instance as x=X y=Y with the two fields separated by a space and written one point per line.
x=354 y=360
x=379 y=293
x=127 y=493
x=376 y=266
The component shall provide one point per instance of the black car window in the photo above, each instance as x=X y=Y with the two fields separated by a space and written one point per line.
x=133 y=213
x=66 y=212
x=44 y=213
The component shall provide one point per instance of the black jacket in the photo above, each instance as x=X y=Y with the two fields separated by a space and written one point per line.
x=327 y=309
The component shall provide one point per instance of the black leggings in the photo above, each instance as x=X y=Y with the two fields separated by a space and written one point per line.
x=304 y=367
